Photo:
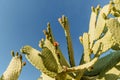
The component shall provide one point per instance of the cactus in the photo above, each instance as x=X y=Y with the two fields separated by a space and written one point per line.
x=14 y=68
x=64 y=23
x=102 y=36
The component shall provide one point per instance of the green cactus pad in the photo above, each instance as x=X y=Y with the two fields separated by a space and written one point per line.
x=114 y=28
x=48 y=60
x=39 y=60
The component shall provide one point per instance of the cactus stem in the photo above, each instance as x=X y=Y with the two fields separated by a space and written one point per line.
x=64 y=23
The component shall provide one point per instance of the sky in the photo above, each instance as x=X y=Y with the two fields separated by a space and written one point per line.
x=22 y=23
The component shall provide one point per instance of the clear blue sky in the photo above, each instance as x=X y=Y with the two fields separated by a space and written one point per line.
x=22 y=23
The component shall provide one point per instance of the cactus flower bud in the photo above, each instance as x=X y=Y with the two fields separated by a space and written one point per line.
x=56 y=44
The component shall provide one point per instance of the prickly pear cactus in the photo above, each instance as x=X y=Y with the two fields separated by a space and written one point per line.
x=14 y=68
x=103 y=35
x=49 y=60
x=40 y=60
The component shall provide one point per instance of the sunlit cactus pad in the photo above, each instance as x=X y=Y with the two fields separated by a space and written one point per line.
x=14 y=68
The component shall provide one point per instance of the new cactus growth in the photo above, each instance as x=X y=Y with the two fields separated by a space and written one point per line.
x=14 y=68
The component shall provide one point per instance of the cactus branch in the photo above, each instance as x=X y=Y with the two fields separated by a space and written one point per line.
x=64 y=23
x=83 y=67
x=86 y=45
x=101 y=20
x=92 y=25
x=14 y=69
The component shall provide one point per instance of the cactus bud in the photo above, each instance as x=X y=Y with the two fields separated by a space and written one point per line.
x=93 y=9
x=46 y=33
x=24 y=63
x=98 y=7
x=56 y=44
x=58 y=55
x=48 y=27
x=17 y=53
x=20 y=56
x=81 y=39
x=12 y=53
x=104 y=16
